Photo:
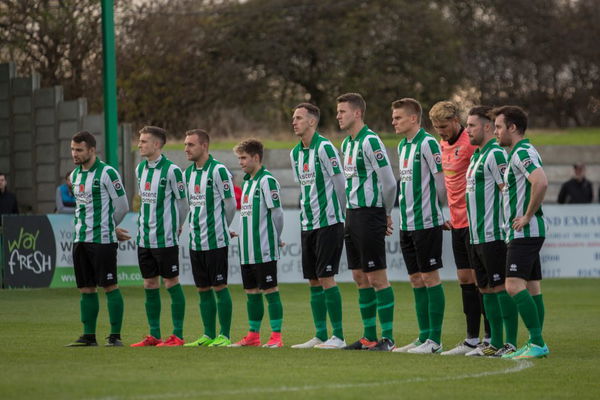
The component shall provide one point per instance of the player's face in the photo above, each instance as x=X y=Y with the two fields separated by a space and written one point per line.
x=194 y=149
x=81 y=153
x=347 y=116
x=149 y=145
x=250 y=164
x=447 y=129
x=502 y=131
x=302 y=122
x=475 y=130
x=402 y=121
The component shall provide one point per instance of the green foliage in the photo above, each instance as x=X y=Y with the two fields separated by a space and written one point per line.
x=37 y=323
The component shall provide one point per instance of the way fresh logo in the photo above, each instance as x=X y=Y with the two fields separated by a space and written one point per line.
x=30 y=251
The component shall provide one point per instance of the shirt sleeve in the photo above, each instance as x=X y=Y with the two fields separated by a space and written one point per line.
x=497 y=166
x=177 y=182
x=330 y=159
x=525 y=162
x=376 y=153
x=224 y=182
x=430 y=151
x=293 y=162
x=113 y=183
x=270 y=189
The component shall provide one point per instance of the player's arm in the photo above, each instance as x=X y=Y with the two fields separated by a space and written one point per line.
x=224 y=184
x=270 y=188
x=539 y=184
x=230 y=209
x=178 y=188
x=331 y=160
x=116 y=191
x=385 y=175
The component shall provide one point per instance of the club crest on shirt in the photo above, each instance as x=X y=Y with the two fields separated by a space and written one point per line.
x=226 y=186
x=147 y=186
x=305 y=167
x=379 y=155
x=180 y=186
x=275 y=195
x=196 y=188
x=81 y=188
x=117 y=185
x=527 y=162
x=502 y=168
x=334 y=162
x=437 y=157
x=456 y=151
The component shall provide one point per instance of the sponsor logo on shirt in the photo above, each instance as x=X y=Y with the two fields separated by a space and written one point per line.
x=198 y=199
x=406 y=175
x=246 y=210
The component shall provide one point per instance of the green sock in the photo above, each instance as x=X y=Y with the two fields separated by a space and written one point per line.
x=275 y=311
x=114 y=301
x=510 y=317
x=385 y=309
x=367 y=301
x=153 y=311
x=539 y=302
x=319 y=311
x=208 y=311
x=333 y=298
x=422 y=307
x=494 y=316
x=225 y=309
x=529 y=314
x=177 y=309
x=437 y=304
x=89 y=307
x=256 y=310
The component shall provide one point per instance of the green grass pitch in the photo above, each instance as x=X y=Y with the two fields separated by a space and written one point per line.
x=36 y=324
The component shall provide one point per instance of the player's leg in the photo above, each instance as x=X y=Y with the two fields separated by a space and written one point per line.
x=105 y=265
x=168 y=262
x=329 y=245
x=89 y=306
x=150 y=274
x=268 y=284
x=428 y=245
x=521 y=260
x=224 y=304
x=317 y=296
x=419 y=290
x=207 y=304
x=385 y=309
x=254 y=306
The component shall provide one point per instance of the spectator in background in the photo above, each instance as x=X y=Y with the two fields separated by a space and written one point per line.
x=577 y=190
x=8 y=201
x=65 y=200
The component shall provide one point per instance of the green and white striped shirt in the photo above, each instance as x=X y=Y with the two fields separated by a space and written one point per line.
x=523 y=160
x=207 y=188
x=362 y=157
x=160 y=183
x=419 y=159
x=484 y=198
x=94 y=191
x=258 y=236
x=313 y=168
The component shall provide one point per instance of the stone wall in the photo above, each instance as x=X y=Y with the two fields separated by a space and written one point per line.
x=36 y=126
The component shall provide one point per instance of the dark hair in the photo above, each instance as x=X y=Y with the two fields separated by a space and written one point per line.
x=483 y=112
x=311 y=109
x=355 y=100
x=84 y=137
x=200 y=133
x=251 y=147
x=513 y=115
x=157 y=132
x=409 y=104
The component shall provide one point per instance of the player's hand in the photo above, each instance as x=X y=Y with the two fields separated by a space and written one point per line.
x=233 y=234
x=520 y=222
x=281 y=243
x=447 y=226
x=389 y=229
x=122 y=234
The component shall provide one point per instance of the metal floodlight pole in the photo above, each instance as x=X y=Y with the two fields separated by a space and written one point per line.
x=110 y=83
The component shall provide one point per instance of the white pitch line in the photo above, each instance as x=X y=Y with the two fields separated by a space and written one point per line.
x=517 y=367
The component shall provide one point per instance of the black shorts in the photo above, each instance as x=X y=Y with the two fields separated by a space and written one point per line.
x=460 y=247
x=210 y=267
x=159 y=262
x=321 y=251
x=364 y=235
x=422 y=249
x=261 y=276
x=95 y=264
x=489 y=262
x=523 y=259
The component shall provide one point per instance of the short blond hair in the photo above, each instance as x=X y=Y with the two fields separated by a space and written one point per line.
x=443 y=111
